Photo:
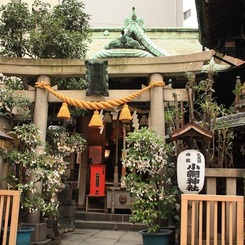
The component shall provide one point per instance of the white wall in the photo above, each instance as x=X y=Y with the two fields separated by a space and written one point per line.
x=112 y=13
x=156 y=13
x=192 y=21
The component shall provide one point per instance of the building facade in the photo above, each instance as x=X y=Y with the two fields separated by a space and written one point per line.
x=156 y=13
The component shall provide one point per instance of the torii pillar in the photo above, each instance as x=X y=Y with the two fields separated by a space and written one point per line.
x=157 y=122
x=41 y=109
x=40 y=119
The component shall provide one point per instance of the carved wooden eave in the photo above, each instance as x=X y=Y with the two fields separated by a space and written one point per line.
x=191 y=130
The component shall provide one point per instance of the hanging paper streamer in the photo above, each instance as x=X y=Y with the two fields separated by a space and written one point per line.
x=114 y=114
x=79 y=157
x=149 y=120
x=135 y=121
x=101 y=116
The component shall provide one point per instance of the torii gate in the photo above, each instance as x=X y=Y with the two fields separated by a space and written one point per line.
x=154 y=68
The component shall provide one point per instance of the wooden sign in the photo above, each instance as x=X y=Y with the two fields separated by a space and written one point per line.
x=190 y=171
x=95 y=153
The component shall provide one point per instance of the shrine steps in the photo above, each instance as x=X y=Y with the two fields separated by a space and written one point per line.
x=106 y=221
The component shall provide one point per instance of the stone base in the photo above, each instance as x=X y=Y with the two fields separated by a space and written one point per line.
x=117 y=198
x=67 y=208
x=68 y=222
x=40 y=232
x=42 y=242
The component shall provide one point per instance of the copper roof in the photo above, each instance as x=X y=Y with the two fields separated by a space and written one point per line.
x=191 y=129
x=142 y=45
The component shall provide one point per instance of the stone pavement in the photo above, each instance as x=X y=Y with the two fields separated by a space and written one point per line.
x=98 y=237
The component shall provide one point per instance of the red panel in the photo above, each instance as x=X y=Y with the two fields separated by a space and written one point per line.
x=97 y=180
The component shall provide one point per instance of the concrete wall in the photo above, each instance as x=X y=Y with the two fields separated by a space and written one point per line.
x=112 y=13
x=192 y=20
x=156 y=13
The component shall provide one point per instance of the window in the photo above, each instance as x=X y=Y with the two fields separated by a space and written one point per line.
x=187 y=14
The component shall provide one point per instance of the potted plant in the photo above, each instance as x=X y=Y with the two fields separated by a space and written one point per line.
x=149 y=179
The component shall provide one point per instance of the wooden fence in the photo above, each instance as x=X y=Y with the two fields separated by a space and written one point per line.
x=212 y=219
x=9 y=216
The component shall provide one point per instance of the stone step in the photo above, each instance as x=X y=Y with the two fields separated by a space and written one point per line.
x=99 y=216
x=108 y=225
x=107 y=221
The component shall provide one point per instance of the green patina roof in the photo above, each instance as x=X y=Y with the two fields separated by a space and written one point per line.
x=121 y=53
x=132 y=43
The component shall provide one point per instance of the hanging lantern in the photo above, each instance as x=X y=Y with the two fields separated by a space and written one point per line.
x=96 y=121
x=190 y=171
x=107 y=153
x=125 y=115
x=64 y=112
